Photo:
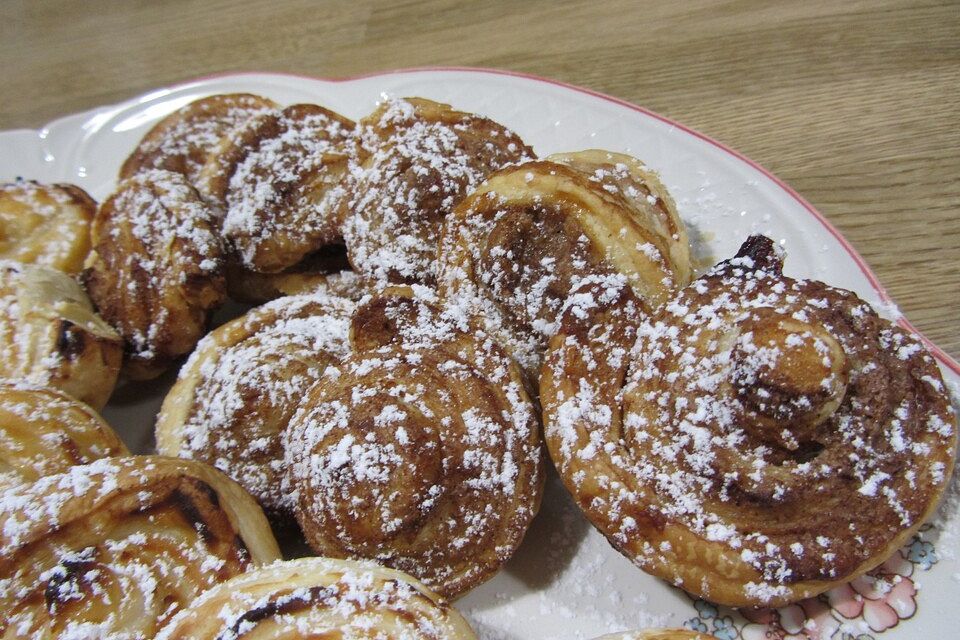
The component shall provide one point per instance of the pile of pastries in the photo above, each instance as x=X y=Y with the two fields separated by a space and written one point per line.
x=439 y=312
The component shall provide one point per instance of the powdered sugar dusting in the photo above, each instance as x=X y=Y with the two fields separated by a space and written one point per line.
x=426 y=428
x=758 y=391
x=244 y=382
x=423 y=159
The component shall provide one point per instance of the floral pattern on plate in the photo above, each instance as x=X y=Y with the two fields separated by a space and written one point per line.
x=858 y=610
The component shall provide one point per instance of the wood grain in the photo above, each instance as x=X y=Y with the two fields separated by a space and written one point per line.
x=855 y=104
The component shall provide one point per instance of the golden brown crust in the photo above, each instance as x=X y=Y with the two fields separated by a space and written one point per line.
x=47 y=225
x=277 y=178
x=339 y=598
x=44 y=431
x=238 y=390
x=768 y=438
x=514 y=249
x=118 y=546
x=421 y=450
x=181 y=141
x=51 y=336
x=156 y=269
x=423 y=158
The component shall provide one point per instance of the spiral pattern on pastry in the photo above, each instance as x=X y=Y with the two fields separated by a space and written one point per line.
x=276 y=178
x=182 y=141
x=514 y=249
x=156 y=269
x=238 y=390
x=420 y=450
x=764 y=439
x=423 y=158
x=44 y=432
x=45 y=224
x=113 y=549
x=320 y=597
x=51 y=336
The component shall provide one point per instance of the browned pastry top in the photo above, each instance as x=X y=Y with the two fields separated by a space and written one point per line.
x=181 y=141
x=331 y=598
x=50 y=334
x=45 y=224
x=514 y=249
x=276 y=178
x=420 y=450
x=156 y=269
x=423 y=158
x=44 y=431
x=113 y=549
x=238 y=390
x=768 y=438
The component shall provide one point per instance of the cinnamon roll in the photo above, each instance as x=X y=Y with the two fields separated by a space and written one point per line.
x=44 y=432
x=156 y=269
x=115 y=548
x=423 y=158
x=759 y=441
x=45 y=224
x=182 y=141
x=239 y=388
x=420 y=450
x=51 y=336
x=517 y=246
x=320 y=597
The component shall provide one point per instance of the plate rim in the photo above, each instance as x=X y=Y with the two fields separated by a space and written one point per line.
x=942 y=356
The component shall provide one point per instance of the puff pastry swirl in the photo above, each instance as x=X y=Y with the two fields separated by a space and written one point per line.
x=44 y=431
x=238 y=390
x=275 y=178
x=316 y=598
x=759 y=441
x=421 y=450
x=113 y=549
x=517 y=246
x=45 y=224
x=183 y=140
x=156 y=269
x=422 y=158
x=51 y=336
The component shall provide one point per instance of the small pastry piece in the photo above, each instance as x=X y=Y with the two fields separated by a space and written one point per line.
x=320 y=598
x=44 y=431
x=156 y=269
x=239 y=388
x=421 y=450
x=424 y=157
x=51 y=336
x=513 y=250
x=759 y=441
x=181 y=141
x=276 y=178
x=115 y=548
x=45 y=224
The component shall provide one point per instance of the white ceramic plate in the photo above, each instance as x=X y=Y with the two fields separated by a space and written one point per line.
x=566 y=581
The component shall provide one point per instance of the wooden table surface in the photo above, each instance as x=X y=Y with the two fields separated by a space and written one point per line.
x=855 y=104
